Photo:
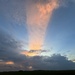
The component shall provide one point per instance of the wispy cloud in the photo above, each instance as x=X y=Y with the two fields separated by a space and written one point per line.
x=37 y=24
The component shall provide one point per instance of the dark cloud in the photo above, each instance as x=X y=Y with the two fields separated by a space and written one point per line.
x=55 y=62
x=15 y=67
x=9 y=48
x=38 y=51
x=9 y=51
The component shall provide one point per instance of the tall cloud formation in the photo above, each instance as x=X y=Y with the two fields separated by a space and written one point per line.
x=38 y=13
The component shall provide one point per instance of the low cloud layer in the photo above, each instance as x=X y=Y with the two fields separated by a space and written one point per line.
x=11 y=59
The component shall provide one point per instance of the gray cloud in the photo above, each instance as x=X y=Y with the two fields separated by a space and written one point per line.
x=55 y=62
x=9 y=51
x=9 y=48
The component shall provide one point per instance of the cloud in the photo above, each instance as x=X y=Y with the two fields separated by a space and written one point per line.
x=14 y=67
x=31 y=53
x=10 y=57
x=13 y=11
x=10 y=54
x=16 y=11
x=9 y=48
x=55 y=62
x=6 y=62
x=37 y=24
x=7 y=45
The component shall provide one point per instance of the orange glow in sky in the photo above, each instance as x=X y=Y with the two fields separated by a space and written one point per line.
x=27 y=53
x=38 y=15
x=9 y=63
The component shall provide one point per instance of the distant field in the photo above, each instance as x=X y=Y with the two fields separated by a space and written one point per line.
x=39 y=72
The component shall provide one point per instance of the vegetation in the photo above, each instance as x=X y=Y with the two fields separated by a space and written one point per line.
x=39 y=72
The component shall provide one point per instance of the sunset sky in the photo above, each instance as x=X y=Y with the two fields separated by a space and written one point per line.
x=37 y=35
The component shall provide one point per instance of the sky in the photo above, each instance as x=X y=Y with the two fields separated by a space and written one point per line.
x=37 y=35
